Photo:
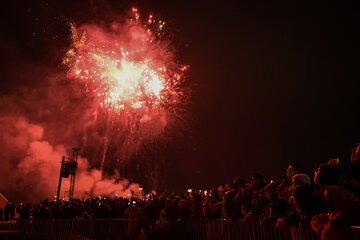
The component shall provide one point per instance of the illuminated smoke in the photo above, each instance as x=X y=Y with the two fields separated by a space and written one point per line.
x=30 y=166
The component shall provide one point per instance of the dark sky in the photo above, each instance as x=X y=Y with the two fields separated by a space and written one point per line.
x=273 y=82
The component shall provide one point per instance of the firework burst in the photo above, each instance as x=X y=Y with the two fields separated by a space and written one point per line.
x=130 y=73
x=126 y=71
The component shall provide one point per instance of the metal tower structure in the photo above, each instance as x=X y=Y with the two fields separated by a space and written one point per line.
x=68 y=168
x=73 y=164
x=60 y=178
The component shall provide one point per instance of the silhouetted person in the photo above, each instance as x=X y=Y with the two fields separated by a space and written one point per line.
x=23 y=211
x=326 y=175
x=9 y=211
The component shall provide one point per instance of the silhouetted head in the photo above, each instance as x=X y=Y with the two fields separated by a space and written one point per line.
x=257 y=180
x=239 y=182
x=294 y=168
x=326 y=175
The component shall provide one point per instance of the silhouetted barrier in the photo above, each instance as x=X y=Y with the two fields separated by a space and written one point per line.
x=356 y=231
x=130 y=229
x=236 y=230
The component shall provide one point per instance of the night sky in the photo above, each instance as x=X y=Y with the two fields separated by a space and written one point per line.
x=272 y=83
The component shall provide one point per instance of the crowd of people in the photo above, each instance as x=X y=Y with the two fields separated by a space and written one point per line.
x=329 y=205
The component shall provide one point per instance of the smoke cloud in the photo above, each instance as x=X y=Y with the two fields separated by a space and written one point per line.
x=30 y=166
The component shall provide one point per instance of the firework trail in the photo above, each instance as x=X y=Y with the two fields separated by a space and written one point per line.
x=131 y=75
